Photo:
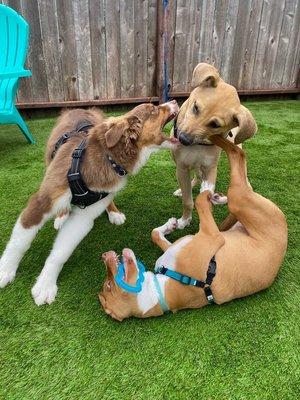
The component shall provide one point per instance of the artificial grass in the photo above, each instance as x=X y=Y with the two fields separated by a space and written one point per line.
x=247 y=349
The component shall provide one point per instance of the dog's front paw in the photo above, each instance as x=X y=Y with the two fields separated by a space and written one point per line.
x=59 y=221
x=44 y=292
x=6 y=276
x=183 y=222
x=218 y=198
x=116 y=218
x=177 y=193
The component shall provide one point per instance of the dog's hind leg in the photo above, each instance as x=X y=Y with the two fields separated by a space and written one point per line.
x=77 y=226
x=27 y=226
x=158 y=234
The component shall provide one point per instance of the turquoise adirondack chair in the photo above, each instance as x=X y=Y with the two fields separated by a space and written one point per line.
x=14 y=34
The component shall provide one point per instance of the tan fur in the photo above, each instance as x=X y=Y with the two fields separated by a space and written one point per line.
x=248 y=255
x=217 y=103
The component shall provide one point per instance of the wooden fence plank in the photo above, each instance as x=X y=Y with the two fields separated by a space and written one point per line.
x=113 y=65
x=229 y=38
x=207 y=18
x=50 y=42
x=283 y=43
x=67 y=49
x=151 y=47
x=218 y=32
x=171 y=36
x=83 y=49
x=98 y=47
x=140 y=47
x=247 y=69
x=239 y=47
x=127 y=48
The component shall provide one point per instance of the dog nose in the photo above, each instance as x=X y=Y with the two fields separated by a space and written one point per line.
x=184 y=139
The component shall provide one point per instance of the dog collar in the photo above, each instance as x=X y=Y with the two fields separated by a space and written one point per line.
x=119 y=170
x=119 y=278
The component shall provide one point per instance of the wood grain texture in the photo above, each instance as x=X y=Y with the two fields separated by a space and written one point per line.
x=92 y=50
x=113 y=62
x=50 y=42
x=98 y=47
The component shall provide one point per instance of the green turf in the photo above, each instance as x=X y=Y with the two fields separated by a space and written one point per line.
x=248 y=349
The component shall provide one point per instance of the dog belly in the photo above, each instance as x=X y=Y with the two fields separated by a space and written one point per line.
x=168 y=259
x=195 y=156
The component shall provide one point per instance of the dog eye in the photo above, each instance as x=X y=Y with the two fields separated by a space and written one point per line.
x=214 y=124
x=196 y=109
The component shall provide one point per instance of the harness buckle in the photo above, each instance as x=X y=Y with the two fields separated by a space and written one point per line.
x=186 y=280
x=77 y=153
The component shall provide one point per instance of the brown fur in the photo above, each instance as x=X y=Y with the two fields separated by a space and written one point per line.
x=140 y=127
x=248 y=255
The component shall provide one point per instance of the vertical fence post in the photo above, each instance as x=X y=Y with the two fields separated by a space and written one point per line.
x=163 y=15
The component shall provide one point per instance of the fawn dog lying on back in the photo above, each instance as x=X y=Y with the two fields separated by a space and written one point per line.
x=238 y=261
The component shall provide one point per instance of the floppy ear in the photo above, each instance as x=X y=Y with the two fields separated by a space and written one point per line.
x=131 y=270
x=114 y=134
x=205 y=75
x=246 y=123
x=134 y=127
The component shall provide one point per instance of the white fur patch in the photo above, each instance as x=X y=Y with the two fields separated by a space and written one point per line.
x=59 y=221
x=168 y=259
x=116 y=218
x=177 y=193
x=183 y=222
x=148 y=297
x=205 y=185
x=145 y=153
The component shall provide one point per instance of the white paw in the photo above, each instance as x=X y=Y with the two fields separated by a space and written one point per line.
x=116 y=218
x=59 y=221
x=183 y=222
x=218 y=198
x=170 y=226
x=177 y=193
x=6 y=276
x=205 y=185
x=44 y=292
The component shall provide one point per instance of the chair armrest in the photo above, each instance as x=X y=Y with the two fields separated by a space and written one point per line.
x=15 y=74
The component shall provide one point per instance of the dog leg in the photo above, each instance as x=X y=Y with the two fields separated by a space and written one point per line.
x=158 y=234
x=60 y=220
x=209 y=182
x=114 y=215
x=27 y=226
x=194 y=182
x=184 y=180
x=77 y=226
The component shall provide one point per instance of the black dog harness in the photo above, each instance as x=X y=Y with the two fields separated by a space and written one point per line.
x=82 y=196
x=187 y=280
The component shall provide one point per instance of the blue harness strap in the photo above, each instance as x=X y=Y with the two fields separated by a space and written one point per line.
x=161 y=298
x=187 y=280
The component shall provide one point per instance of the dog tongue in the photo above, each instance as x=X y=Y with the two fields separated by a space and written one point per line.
x=173 y=140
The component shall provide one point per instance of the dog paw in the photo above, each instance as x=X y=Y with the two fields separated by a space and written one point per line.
x=177 y=193
x=183 y=222
x=116 y=218
x=6 y=277
x=218 y=198
x=170 y=225
x=59 y=221
x=44 y=292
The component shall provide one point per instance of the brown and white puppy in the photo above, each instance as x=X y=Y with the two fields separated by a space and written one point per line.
x=213 y=107
x=248 y=253
x=129 y=140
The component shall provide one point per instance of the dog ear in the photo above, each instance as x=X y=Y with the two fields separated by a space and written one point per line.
x=134 y=127
x=205 y=75
x=114 y=134
x=246 y=123
x=131 y=271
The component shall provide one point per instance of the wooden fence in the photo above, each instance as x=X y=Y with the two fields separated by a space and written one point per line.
x=97 y=51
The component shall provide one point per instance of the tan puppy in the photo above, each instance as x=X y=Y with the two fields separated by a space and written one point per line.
x=121 y=142
x=213 y=107
x=248 y=255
